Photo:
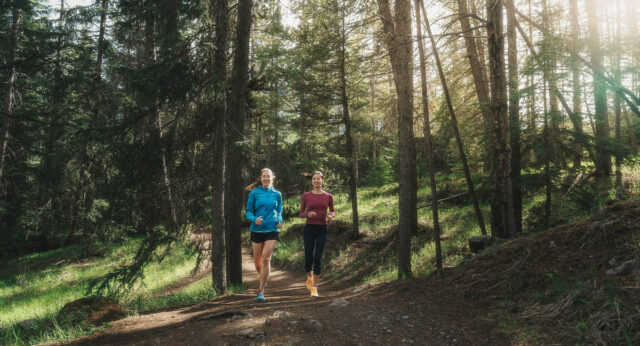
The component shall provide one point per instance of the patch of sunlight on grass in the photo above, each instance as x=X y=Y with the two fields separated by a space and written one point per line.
x=196 y=292
x=384 y=275
x=42 y=291
x=289 y=251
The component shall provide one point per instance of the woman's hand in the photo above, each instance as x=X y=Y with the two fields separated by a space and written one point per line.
x=311 y=214
x=329 y=219
x=279 y=225
x=259 y=221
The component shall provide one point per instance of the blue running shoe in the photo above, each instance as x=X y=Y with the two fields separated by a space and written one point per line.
x=261 y=296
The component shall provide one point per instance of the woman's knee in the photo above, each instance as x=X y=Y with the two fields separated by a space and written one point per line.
x=266 y=259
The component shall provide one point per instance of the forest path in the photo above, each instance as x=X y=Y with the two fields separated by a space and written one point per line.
x=408 y=312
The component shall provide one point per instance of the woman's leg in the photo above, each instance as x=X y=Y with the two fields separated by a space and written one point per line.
x=257 y=255
x=309 y=244
x=267 y=250
x=321 y=241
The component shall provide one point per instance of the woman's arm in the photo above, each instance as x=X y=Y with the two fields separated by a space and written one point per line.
x=248 y=212
x=303 y=207
x=279 y=208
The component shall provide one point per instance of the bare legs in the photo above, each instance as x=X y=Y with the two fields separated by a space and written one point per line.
x=262 y=258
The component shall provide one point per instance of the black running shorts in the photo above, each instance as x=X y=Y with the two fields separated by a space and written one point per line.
x=260 y=237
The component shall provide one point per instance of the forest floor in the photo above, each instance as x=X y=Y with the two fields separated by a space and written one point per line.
x=571 y=284
x=420 y=311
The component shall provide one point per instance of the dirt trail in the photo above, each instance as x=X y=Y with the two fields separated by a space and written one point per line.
x=406 y=312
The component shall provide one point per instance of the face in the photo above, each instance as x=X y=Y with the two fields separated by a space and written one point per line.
x=316 y=180
x=266 y=178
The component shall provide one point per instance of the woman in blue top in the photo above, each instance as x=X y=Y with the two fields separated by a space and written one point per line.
x=264 y=210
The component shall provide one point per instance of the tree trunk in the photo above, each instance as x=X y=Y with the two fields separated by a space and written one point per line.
x=101 y=42
x=454 y=124
x=220 y=14
x=398 y=39
x=428 y=140
x=502 y=220
x=633 y=40
x=532 y=98
x=346 y=119
x=514 y=115
x=238 y=109
x=8 y=96
x=603 y=157
x=617 y=105
x=576 y=118
x=478 y=38
x=479 y=77
x=157 y=132
x=547 y=160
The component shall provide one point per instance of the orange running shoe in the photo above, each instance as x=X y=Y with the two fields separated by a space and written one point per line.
x=314 y=292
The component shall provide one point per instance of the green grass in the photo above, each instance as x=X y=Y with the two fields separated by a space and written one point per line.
x=35 y=287
x=378 y=210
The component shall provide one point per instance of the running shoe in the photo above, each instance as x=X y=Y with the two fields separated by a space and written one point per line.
x=309 y=283
x=261 y=296
x=314 y=292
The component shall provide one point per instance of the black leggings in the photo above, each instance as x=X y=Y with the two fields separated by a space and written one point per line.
x=315 y=238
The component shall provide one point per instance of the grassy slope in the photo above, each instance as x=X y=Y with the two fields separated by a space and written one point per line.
x=36 y=287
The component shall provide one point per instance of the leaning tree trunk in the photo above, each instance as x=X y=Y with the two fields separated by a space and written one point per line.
x=603 y=157
x=478 y=74
x=454 y=125
x=8 y=96
x=502 y=215
x=237 y=108
x=428 y=139
x=220 y=14
x=351 y=153
x=399 y=43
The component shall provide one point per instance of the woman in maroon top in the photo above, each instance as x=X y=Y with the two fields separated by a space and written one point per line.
x=313 y=207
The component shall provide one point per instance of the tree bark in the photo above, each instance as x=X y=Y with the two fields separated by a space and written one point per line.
x=157 y=132
x=101 y=42
x=514 y=115
x=454 y=124
x=502 y=220
x=546 y=158
x=617 y=103
x=575 y=116
x=633 y=39
x=603 y=157
x=237 y=108
x=479 y=77
x=346 y=120
x=8 y=97
x=428 y=139
x=399 y=43
x=220 y=14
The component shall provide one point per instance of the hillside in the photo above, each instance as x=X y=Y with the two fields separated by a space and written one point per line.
x=551 y=287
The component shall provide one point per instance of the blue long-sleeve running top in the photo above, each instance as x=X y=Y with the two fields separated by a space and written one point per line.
x=265 y=202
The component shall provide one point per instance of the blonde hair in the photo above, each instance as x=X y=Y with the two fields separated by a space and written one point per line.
x=258 y=182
